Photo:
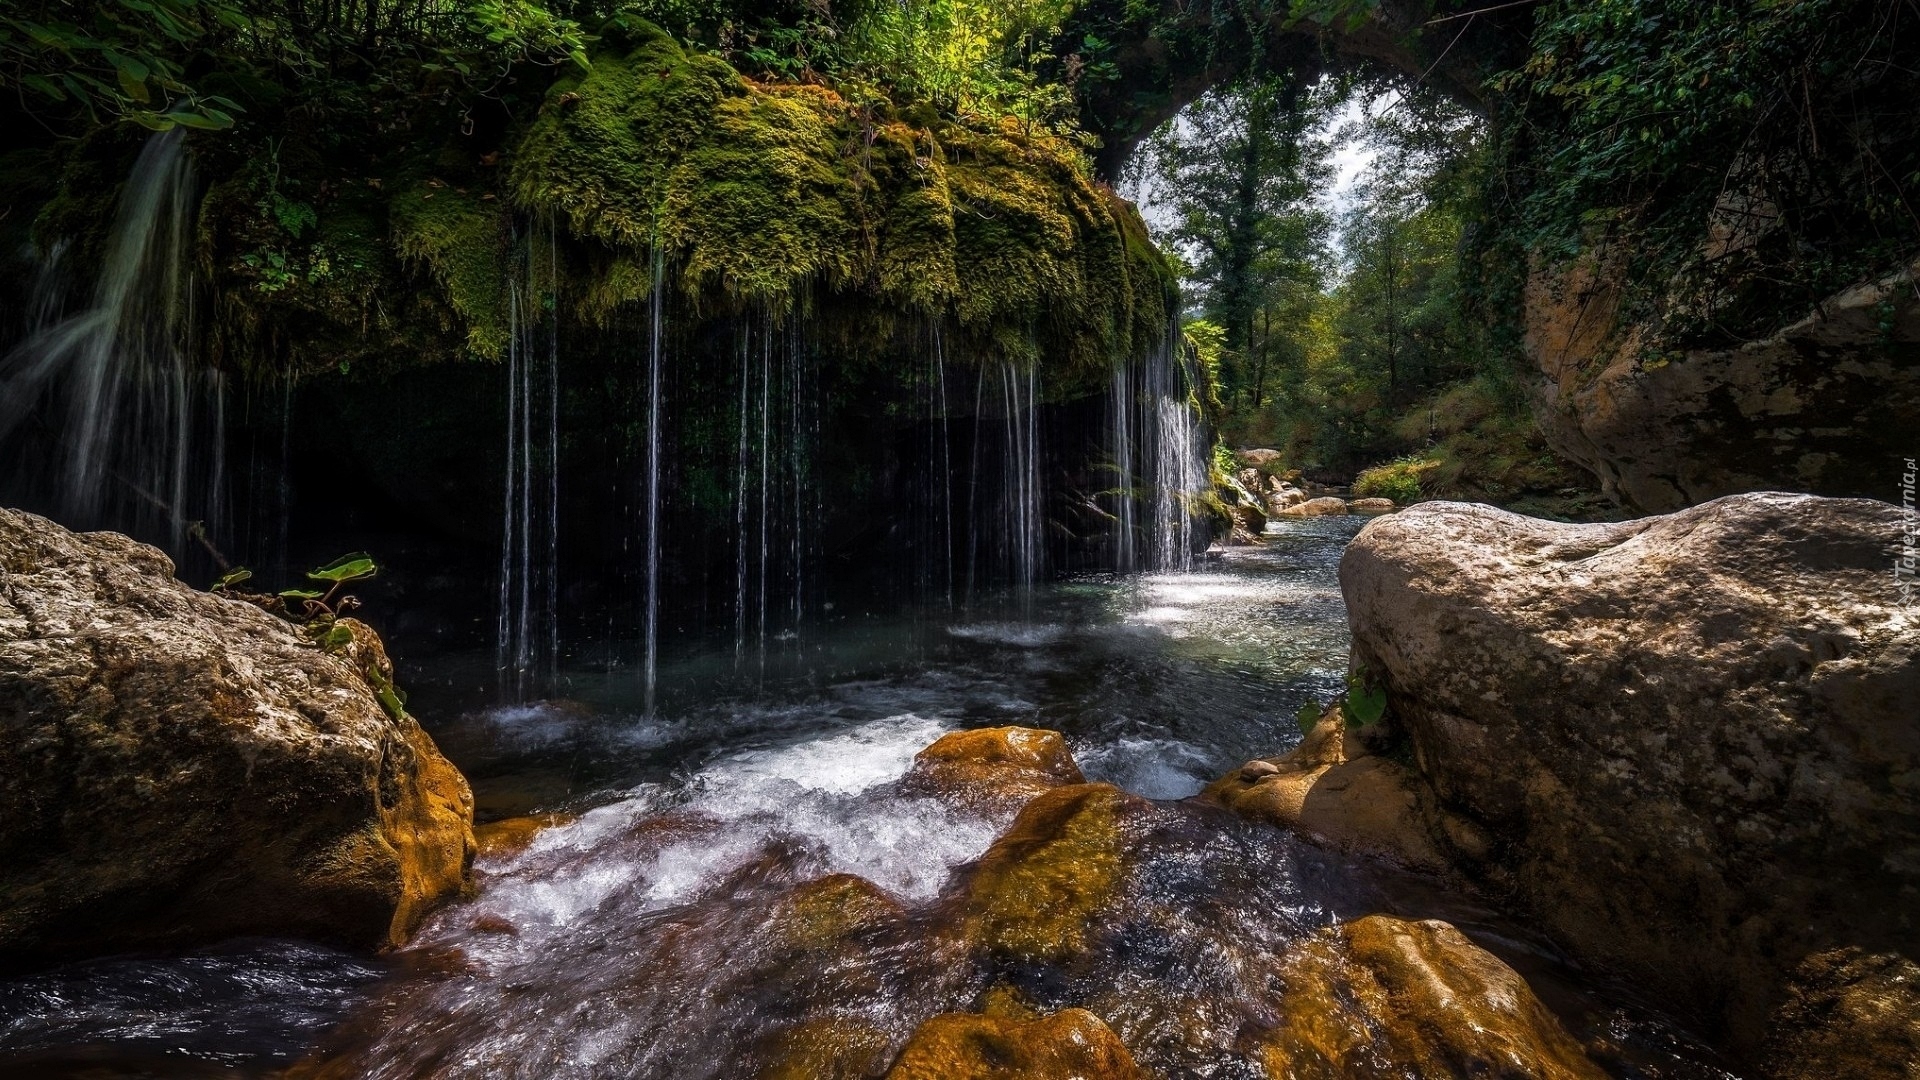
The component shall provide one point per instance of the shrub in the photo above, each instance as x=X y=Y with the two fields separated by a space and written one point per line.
x=1399 y=480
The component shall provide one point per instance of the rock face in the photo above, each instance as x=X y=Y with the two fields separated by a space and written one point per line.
x=1805 y=409
x=1685 y=743
x=1413 y=999
x=183 y=767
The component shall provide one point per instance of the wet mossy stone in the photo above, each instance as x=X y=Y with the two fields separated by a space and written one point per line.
x=1036 y=894
x=774 y=195
x=1069 y=1044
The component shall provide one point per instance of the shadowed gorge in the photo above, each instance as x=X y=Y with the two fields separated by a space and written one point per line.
x=627 y=539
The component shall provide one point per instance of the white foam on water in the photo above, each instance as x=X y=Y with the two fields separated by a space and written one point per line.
x=1024 y=635
x=814 y=799
x=1155 y=768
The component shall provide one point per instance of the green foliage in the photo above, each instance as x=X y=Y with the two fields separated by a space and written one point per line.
x=1399 y=479
x=116 y=59
x=460 y=237
x=1735 y=162
x=967 y=58
x=318 y=607
x=1365 y=701
x=1243 y=171
x=761 y=194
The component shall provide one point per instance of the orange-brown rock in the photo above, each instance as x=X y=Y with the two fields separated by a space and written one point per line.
x=1072 y=1044
x=511 y=836
x=839 y=1048
x=1037 y=891
x=1849 y=1013
x=182 y=767
x=1320 y=507
x=999 y=767
x=1381 y=996
x=1335 y=791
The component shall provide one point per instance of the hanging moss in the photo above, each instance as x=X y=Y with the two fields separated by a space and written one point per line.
x=776 y=195
x=461 y=238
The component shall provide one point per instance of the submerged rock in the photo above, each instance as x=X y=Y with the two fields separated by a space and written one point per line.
x=1035 y=894
x=1688 y=740
x=183 y=767
x=1381 y=996
x=1069 y=1045
x=511 y=836
x=999 y=767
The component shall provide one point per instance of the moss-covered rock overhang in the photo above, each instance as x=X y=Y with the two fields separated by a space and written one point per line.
x=873 y=222
x=780 y=197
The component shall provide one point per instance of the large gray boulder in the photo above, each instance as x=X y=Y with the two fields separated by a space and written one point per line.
x=1689 y=745
x=181 y=767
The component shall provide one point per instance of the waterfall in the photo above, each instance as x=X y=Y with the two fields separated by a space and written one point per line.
x=1021 y=475
x=527 y=633
x=1157 y=446
x=776 y=501
x=138 y=431
x=657 y=317
x=940 y=458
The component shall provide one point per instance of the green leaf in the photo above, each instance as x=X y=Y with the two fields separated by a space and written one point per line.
x=1365 y=703
x=233 y=577
x=335 y=638
x=217 y=121
x=302 y=594
x=355 y=567
x=135 y=87
x=1308 y=716
x=44 y=86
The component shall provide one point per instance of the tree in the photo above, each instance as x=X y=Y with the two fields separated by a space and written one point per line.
x=1244 y=165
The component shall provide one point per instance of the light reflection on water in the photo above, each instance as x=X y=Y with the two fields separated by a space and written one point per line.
x=674 y=926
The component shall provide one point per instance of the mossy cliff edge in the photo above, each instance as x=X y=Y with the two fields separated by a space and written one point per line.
x=771 y=195
x=871 y=221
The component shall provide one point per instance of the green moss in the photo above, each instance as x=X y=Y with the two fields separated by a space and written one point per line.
x=1036 y=892
x=1399 y=480
x=777 y=196
x=461 y=238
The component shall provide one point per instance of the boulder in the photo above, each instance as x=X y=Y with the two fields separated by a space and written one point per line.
x=1036 y=895
x=1686 y=743
x=1320 y=507
x=1662 y=428
x=1258 y=459
x=1068 y=1045
x=1370 y=506
x=1335 y=791
x=183 y=767
x=991 y=768
x=1413 y=999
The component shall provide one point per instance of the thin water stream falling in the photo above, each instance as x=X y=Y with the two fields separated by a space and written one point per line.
x=656 y=326
x=526 y=638
x=1157 y=448
x=137 y=431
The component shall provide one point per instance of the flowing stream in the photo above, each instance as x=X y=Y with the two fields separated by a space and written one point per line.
x=690 y=912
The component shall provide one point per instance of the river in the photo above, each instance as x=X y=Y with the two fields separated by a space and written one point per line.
x=670 y=923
